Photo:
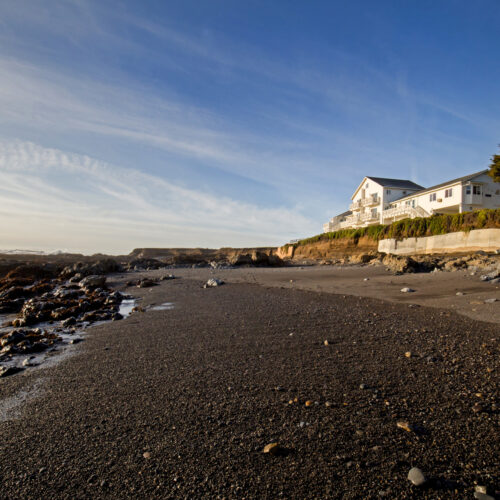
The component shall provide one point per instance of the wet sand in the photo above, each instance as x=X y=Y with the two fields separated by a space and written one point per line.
x=179 y=403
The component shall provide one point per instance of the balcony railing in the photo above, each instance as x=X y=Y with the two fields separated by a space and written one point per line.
x=404 y=212
x=370 y=201
x=365 y=202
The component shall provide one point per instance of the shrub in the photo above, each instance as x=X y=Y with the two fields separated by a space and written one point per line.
x=407 y=228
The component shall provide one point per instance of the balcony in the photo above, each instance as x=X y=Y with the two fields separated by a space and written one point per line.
x=370 y=201
x=406 y=212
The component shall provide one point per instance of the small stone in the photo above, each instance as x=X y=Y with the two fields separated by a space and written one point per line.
x=460 y=293
x=146 y=454
x=328 y=404
x=366 y=279
x=404 y=425
x=290 y=402
x=480 y=489
x=362 y=386
x=477 y=408
x=308 y=403
x=408 y=354
x=27 y=362
x=482 y=496
x=416 y=476
x=490 y=301
x=325 y=342
x=272 y=449
x=407 y=289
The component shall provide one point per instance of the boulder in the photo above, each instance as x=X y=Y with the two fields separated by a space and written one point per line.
x=93 y=281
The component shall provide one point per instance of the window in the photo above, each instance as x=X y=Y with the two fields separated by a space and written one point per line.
x=467 y=189
x=374 y=213
x=367 y=185
x=407 y=203
x=448 y=193
x=432 y=197
x=387 y=191
x=476 y=189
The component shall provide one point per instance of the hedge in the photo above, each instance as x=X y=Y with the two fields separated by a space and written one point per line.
x=408 y=228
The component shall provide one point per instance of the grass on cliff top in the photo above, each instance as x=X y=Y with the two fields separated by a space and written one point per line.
x=411 y=228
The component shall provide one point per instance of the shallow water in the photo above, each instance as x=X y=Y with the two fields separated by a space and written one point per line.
x=166 y=306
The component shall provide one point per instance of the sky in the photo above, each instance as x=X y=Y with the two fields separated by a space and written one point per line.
x=213 y=123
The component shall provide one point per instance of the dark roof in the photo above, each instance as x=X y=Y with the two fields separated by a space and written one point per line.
x=344 y=214
x=395 y=183
x=465 y=178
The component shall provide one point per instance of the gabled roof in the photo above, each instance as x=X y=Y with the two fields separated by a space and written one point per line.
x=465 y=178
x=395 y=183
x=390 y=183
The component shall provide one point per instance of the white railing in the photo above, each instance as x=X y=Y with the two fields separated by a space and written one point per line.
x=356 y=205
x=371 y=200
x=369 y=217
x=404 y=212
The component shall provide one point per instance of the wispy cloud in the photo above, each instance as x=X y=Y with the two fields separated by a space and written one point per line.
x=80 y=193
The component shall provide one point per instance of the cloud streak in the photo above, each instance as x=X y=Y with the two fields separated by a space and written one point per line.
x=89 y=197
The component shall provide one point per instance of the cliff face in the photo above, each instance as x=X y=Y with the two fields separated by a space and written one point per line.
x=332 y=249
x=197 y=255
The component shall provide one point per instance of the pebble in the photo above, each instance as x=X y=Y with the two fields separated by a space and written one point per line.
x=460 y=293
x=407 y=289
x=308 y=403
x=416 y=476
x=325 y=342
x=362 y=386
x=482 y=496
x=490 y=301
x=404 y=425
x=146 y=454
x=272 y=449
x=408 y=354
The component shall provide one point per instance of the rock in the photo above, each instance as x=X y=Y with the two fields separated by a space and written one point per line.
x=407 y=289
x=145 y=283
x=212 y=282
x=404 y=425
x=273 y=449
x=482 y=496
x=490 y=301
x=69 y=322
x=146 y=454
x=460 y=293
x=325 y=342
x=308 y=403
x=416 y=476
x=480 y=489
x=167 y=277
x=408 y=354
x=93 y=281
x=5 y=371
x=27 y=361
x=362 y=386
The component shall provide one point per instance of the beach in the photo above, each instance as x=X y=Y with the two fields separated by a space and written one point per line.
x=180 y=402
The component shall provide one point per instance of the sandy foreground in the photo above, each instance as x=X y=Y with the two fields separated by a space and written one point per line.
x=179 y=403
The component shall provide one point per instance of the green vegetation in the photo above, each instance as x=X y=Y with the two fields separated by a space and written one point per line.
x=410 y=228
x=494 y=172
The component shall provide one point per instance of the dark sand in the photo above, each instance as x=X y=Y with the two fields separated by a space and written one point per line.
x=204 y=387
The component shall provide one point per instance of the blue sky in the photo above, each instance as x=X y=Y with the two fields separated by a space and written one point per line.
x=216 y=123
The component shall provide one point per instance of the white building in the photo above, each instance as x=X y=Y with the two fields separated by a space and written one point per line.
x=379 y=200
